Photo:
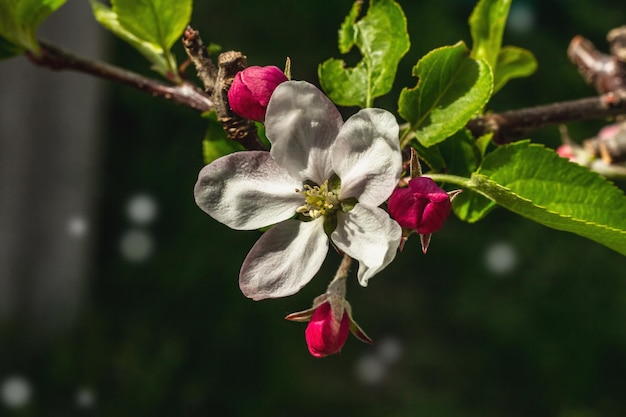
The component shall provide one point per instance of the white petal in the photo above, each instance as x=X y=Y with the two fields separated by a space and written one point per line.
x=247 y=190
x=367 y=157
x=302 y=124
x=284 y=259
x=368 y=235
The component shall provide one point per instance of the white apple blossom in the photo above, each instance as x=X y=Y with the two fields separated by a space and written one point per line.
x=322 y=180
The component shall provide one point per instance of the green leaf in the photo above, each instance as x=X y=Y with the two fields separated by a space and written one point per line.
x=535 y=182
x=32 y=12
x=463 y=156
x=9 y=49
x=487 y=23
x=150 y=26
x=513 y=62
x=160 y=22
x=152 y=52
x=9 y=24
x=19 y=20
x=470 y=206
x=347 y=32
x=452 y=87
x=483 y=142
x=216 y=143
x=460 y=153
x=430 y=156
x=382 y=38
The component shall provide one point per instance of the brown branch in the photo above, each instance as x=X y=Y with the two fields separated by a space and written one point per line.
x=217 y=82
x=185 y=94
x=515 y=124
x=199 y=56
x=605 y=72
x=506 y=126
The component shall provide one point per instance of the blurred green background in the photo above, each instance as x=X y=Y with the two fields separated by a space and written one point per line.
x=501 y=318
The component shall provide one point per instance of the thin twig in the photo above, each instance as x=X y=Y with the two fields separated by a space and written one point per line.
x=185 y=94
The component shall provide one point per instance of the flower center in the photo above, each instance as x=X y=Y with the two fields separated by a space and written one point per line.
x=319 y=200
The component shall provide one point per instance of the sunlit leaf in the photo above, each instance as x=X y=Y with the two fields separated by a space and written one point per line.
x=160 y=22
x=152 y=52
x=382 y=39
x=487 y=23
x=452 y=87
x=32 y=12
x=19 y=20
x=513 y=62
x=535 y=182
x=471 y=206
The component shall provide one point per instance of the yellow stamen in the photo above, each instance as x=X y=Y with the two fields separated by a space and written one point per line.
x=319 y=201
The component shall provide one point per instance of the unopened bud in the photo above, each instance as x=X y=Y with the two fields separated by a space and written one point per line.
x=327 y=332
x=251 y=90
x=422 y=206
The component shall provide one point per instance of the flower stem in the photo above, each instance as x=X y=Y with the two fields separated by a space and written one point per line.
x=338 y=284
x=450 y=179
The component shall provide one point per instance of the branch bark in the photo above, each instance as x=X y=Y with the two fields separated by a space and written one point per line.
x=217 y=82
x=515 y=124
x=186 y=94
x=506 y=126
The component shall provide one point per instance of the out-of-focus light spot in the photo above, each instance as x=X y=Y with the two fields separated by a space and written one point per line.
x=141 y=209
x=15 y=392
x=85 y=398
x=500 y=258
x=136 y=245
x=77 y=226
x=521 y=18
x=389 y=350
x=370 y=369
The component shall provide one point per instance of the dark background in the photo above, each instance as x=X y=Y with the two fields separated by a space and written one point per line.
x=502 y=318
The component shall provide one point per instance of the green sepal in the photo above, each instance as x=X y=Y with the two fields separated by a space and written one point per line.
x=330 y=223
x=334 y=183
x=348 y=204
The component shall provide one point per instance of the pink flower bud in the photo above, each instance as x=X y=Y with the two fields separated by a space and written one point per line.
x=422 y=206
x=251 y=91
x=326 y=333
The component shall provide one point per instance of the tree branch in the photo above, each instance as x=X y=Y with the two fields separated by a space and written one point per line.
x=185 y=94
x=515 y=124
x=506 y=126
x=217 y=82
